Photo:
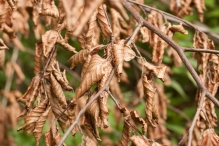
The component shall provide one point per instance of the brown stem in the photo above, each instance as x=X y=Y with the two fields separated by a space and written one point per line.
x=120 y=108
x=49 y=59
x=178 y=111
x=202 y=99
x=131 y=40
x=200 y=50
x=82 y=111
x=175 y=46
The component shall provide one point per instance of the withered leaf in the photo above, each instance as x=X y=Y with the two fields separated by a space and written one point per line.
x=104 y=24
x=2 y=59
x=37 y=132
x=58 y=92
x=18 y=71
x=89 y=8
x=38 y=53
x=66 y=46
x=29 y=97
x=125 y=134
x=158 y=71
x=57 y=110
x=149 y=91
x=52 y=137
x=135 y=117
x=118 y=56
x=129 y=54
x=178 y=28
x=33 y=116
x=139 y=141
x=49 y=40
x=96 y=70
x=2 y=45
x=49 y=9
x=210 y=138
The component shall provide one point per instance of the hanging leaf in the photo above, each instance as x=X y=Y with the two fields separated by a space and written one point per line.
x=2 y=59
x=37 y=132
x=48 y=41
x=18 y=71
x=29 y=97
x=125 y=134
x=139 y=141
x=149 y=91
x=52 y=137
x=118 y=56
x=178 y=28
x=129 y=54
x=2 y=45
x=66 y=46
x=96 y=70
x=57 y=110
x=58 y=92
x=135 y=117
x=33 y=116
x=104 y=24
x=210 y=138
x=38 y=53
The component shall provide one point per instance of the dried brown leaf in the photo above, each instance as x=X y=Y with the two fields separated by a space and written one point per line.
x=158 y=71
x=104 y=24
x=87 y=141
x=2 y=45
x=61 y=78
x=139 y=141
x=144 y=34
x=49 y=9
x=58 y=92
x=49 y=40
x=118 y=7
x=66 y=46
x=210 y=138
x=118 y=57
x=125 y=134
x=90 y=34
x=96 y=70
x=37 y=132
x=52 y=137
x=18 y=71
x=89 y=8
x=12 y=4
x=200 y=6
x=33 y=116
x=135 y=117
x=57 y=110
x=129 y=54
x=38 y=53
x=29 y=97
x=2 y=59
x=151 y=109
x=178 y=28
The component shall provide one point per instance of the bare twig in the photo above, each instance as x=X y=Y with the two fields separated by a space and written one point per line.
x=49 y=59
x=134 y=33
x=175 y=46
x=190 y=132
x=121 y=110
x=200 y=50
x=82 y=111
x=10 y=77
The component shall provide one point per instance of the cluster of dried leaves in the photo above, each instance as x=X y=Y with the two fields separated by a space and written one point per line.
x=91 y=22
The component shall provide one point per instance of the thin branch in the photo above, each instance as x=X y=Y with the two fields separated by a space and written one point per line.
x=134 y=33
x=82 y=111
x=202 y=99
x=74 y=74
x=201 y=27
x=121 y=110
x=49 y=59
x=10 y=77
x=175 y=46
x=200 y=50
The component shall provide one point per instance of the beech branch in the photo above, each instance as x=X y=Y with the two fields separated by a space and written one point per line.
x=83 y=110
x=200 y=50
x=175 y=46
